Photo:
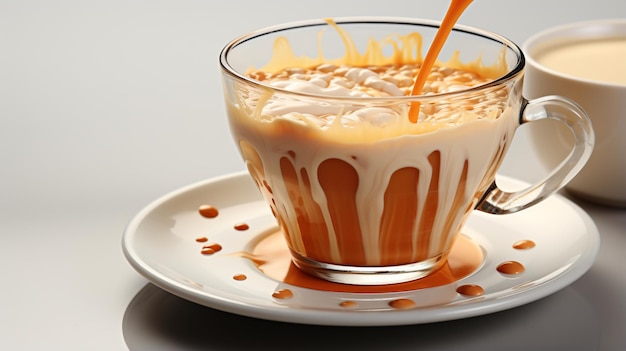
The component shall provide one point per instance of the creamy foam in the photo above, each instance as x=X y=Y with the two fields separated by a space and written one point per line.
x=360 y=83
x=600 y=60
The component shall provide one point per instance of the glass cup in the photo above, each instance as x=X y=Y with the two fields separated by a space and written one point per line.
x=363 y=193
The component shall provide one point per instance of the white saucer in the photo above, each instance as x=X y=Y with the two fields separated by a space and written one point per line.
x=160 y=244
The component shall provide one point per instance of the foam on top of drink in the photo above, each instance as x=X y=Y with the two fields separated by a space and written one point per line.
x=361 y=77
x=379 y=82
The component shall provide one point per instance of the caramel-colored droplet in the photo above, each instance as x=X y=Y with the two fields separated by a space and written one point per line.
x=240 y=277
x=242 y=226
x=402 y=304
x=524 y=245
x=511 y=267
x=348 y=304
x=211 y=249
x=282 y=294
x=202 y=239
x=470 y=290
x=208 y=211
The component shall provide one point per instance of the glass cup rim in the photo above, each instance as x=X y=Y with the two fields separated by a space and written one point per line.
x=377 y=20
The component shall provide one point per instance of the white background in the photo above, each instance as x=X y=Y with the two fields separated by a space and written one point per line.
x=107 y=105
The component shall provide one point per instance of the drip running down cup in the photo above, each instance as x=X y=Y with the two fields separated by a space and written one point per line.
x=586 y=62
x=363 y=194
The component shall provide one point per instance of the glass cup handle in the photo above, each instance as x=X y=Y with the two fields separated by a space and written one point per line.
x=563 y=110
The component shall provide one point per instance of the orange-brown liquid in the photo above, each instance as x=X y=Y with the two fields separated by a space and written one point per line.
x=524 y=245
x=470 y=290
x=240 y=277
x=282 y=294
x=340 y=183
x=454 y=12
x=511 y=267
x=208 y=211
x=348 y=304
x=402 y=304
x=272 y=257
x=211 y=249
x=242 y=226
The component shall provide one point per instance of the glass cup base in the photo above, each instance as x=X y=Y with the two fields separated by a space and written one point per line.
x=368 y=275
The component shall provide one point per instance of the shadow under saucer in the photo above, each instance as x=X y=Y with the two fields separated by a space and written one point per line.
x=158 y=320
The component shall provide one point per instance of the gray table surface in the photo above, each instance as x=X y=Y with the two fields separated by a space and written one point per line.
x=107 y=105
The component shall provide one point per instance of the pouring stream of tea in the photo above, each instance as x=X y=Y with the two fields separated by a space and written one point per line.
x=455 y=10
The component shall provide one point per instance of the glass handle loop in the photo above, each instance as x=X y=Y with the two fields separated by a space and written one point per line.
x=567 y=112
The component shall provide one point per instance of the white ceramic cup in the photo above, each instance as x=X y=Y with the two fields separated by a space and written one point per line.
x=601 y=95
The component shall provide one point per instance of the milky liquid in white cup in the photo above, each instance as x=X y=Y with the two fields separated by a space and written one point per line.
x=585 y=62
x=602 y=60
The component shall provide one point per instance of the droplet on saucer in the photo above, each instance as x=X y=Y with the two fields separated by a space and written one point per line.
x=402 y=304
x=524 y=245
x=511 y=267
x=240 y=277
x=470 y=290
x=282 y=294
x=242 y=226
x=208 y=211
x=348 y=304
x=211 y=249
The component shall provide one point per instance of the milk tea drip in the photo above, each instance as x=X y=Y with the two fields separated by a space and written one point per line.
x=352 y=181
